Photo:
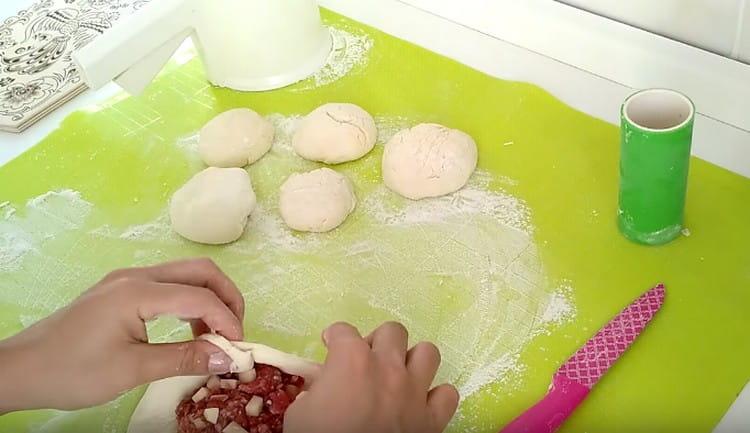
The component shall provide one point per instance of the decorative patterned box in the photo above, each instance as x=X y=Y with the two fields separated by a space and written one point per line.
x=37 y=73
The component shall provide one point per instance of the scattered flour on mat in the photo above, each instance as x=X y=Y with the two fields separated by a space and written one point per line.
x=388 y=126
x=42 y=254
x=14 y=246
x=285 y=127
x=508 y=366
x=29 y=319
x=45 y=216
x=189 y=143
x=497 y=371
x=348 y=51
x=6 y=210
x=474 y=199
x=159 y=229
x=65 y=207
x=270 y=231
x=560 y=309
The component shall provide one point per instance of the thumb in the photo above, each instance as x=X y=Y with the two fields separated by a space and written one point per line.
x=190 y=358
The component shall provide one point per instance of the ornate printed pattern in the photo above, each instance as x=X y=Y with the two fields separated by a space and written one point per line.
x=591 y=361
x=37 y=72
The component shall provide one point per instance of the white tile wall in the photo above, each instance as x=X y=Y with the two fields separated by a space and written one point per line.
x=708 y=24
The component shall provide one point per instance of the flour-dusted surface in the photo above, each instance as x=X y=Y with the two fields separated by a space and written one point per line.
x=27 y=233
x=461 y=270
x=349 y=51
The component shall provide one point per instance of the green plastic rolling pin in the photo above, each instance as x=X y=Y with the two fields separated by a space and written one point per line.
x=656 y=136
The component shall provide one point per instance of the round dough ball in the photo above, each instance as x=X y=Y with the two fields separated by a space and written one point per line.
x=235 y=138
x=316 y=201
x=428 y=160
x=335 y=133
x=213 y=206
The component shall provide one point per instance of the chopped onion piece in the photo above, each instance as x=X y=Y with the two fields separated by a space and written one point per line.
x=213 y=383
x=218 y=397
x=228 y=384
x=199 y=423
x=211 y=414
x=233 y=427
x=200 y=394
x=254 y=406
x=247 y=376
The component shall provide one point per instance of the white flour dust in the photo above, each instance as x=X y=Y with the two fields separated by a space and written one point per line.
x=560 y=309
x=285 y=127
x=44 y=261
x=159 y=229
x=498 y=371
x=42 y=219
x=348 y=52
x=189 y=143
x=6 y=210
x=388 y=126
x=14 y=246
x=472 y=200
x=271 y=231
x=506 y=369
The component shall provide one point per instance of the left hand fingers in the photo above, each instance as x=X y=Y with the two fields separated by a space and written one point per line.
x=201 y=273
x=190 y=358
x=194 y=272
x=189 y=303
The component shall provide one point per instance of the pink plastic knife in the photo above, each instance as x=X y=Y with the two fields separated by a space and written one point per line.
x=573 y=381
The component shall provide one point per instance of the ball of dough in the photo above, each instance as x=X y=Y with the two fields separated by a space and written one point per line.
x=235 y=138
x=428 y=160
x=316 y=201
x=213 y=206
x=335 y=133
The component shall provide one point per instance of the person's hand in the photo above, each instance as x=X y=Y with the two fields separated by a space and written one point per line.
x=97 y=348
x=374 y=385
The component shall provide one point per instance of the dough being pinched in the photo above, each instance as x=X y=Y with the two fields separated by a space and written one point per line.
x=155 y=412
x=260 y=354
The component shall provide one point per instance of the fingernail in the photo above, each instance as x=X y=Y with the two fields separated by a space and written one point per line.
x=219 y=363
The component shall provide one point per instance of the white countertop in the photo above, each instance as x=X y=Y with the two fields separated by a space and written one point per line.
x=543 y=42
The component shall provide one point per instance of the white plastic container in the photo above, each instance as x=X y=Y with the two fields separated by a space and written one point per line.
x=247 y=45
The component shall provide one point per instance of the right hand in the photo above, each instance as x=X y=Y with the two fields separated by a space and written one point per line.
x=374 y=385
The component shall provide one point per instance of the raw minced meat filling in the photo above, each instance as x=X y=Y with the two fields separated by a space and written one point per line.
x=273 y=390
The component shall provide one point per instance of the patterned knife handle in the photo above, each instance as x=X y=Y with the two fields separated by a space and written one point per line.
x=549 y=414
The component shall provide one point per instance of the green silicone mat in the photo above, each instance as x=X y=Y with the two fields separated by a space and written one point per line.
x=510 y=276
